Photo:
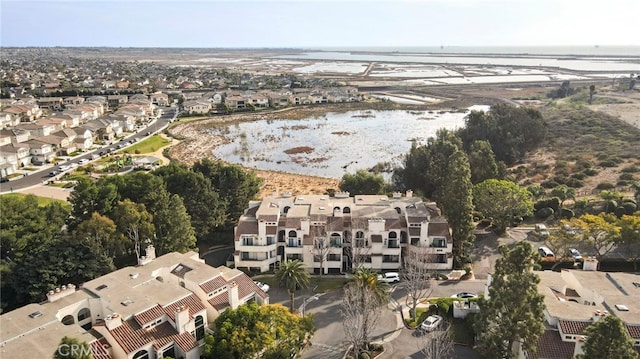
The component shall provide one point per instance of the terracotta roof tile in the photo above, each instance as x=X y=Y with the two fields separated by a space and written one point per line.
x=220 y=301
x=213 y=284
x=99 y=349
x=131 y=337
x=246 y=228
x=272 y=230
x=439 y=229
x=414 y=231
x=191 y=301
x=551 y=346
x=572 y=326
x=149 y=315
x=634 y=330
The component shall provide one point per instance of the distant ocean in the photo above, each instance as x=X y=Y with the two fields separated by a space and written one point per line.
x=595 y=50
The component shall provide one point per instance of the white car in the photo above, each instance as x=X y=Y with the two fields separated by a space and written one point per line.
x=263 y=286
x=83 y=161
x=63 y=167
x=431 y=323
x=389 y=277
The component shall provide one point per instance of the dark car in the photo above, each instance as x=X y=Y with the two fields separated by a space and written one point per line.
x=4 y=179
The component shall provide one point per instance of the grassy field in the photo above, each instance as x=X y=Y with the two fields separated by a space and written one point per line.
x=42 y=201
x=149 y=145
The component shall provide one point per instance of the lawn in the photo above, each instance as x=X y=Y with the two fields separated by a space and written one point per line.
x=149 y=145
x=42 y=201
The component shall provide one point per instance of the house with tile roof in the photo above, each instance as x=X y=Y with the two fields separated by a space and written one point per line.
x=372 y=230
x=575 y=299
x=159 y=308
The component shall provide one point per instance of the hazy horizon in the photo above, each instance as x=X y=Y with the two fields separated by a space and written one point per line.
x=305 y=24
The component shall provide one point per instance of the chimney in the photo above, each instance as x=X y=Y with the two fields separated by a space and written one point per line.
x=60 y=292
x=150 y=255
x=113 y=321
x=232 y=290
x=409 y=193
x=181 y=318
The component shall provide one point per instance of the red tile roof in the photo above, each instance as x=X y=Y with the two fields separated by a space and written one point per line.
x=213 y=284
x=572 y=326
x=634 y=330
x=99 y=349
x=191 y=301
x=220 y=301
x=439 y=229
x=131 y=337
x=246 y=286
x=149 y=315
x=551 y=346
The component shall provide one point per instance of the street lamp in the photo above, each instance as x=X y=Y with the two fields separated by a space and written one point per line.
x=304 y=302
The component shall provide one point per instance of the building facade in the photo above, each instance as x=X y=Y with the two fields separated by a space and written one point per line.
x=160 y=308
x=336 y=234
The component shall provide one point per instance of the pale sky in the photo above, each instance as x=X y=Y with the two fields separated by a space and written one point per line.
x=327 y=23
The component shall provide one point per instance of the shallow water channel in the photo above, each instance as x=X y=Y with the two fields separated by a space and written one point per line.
x=335 y=143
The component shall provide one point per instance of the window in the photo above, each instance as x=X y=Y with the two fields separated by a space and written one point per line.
x=199 y=322
x=439 y=242
x=334 y=257
x=68 y=320
x=247 y=241
x=390 y=259
x=415 y=241
x=441 y=258
x=271 y=240
x=142 y=354
x=362 y=243
x=83 y=314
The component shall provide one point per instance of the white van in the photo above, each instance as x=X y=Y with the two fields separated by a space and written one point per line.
x=389 y=277
x=545 y=252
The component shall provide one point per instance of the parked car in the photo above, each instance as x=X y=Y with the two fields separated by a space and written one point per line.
x=63 y=168
x=465 y=295
x=83 y=161
x=575 y=254
x=431 y=323
x=95 y=156
x=263 y=286
x=4 y=179
x=546 y=253
x=389 y=277
x=542 y=230
x=53 y=173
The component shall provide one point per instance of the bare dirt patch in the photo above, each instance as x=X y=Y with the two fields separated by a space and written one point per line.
x=300 y=149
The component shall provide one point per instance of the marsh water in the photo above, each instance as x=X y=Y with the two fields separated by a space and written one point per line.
x=335 y=143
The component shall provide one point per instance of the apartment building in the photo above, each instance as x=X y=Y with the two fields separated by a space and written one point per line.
x=160 y=308
x=335 y=234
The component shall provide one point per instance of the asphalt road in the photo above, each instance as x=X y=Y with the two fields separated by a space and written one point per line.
x=42 y=174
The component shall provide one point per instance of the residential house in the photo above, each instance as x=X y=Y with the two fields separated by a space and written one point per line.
x=14 y=156
x=279 y=99
x=26 y=112
x=65 y=120
x=102 y=129
x=199 y=107
x=40 y=151
x=83 y=139
x=259 y=100
x=102 y=100
x=37 y=129
x=57 y=122
x=72 y=102
x=373 y=230
x=8 y=120
x=117 y=100
x=159 y=308
x=235 y=102
x=51 y=103
x=14 y=135
x=575 y=299
x=159 y=99
x=60 y=145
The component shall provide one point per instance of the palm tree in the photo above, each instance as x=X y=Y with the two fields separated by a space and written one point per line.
x=368 y=280
x=293 y=276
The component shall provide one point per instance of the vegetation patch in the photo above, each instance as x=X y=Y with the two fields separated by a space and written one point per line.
x=299 y=149
x=149 y=145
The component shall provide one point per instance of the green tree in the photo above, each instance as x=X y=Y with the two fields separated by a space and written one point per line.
x=268 y=331
x=173 y=230
x=560 y=242
x=563 y=192
x=203 y=203
x=100 y=234
x=482 y=161
x=630 y=237
x=135 y=224
x=362 y=182
x=235 y=186
x=592 y=91
x=72 y=348
x=502 y=201
x=608 y=338
x=457 y=205
x=514 y=310
x=89 y=197
x=293 y=276
x=601 y=233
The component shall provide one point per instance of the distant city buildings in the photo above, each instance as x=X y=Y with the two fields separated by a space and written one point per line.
x=160 y=308
x=333 y=234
